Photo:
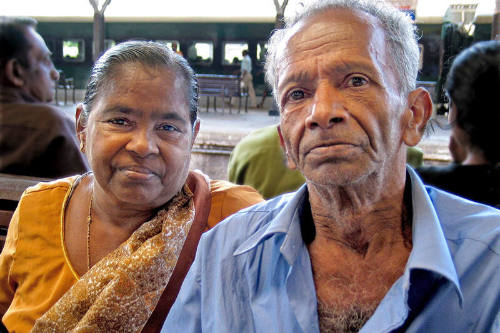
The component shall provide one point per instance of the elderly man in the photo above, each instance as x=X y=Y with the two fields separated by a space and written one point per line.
x=36 y=139
x=363 y=246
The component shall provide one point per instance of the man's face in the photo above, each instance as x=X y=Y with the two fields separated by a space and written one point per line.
x=340 y=104
x=40 y=78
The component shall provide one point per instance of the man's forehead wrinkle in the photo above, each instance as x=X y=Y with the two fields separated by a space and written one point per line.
x=292 y=71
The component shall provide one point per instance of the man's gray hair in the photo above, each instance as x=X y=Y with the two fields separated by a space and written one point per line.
x=398 y=28
x=146 y=53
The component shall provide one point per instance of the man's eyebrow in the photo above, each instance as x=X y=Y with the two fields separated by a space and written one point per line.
x=296 y=76
x=338 y=68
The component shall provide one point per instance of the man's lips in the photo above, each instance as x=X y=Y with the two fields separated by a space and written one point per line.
x=327 y=146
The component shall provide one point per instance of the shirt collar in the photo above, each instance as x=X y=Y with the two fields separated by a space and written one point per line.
x=430 y=251
x=287 y=222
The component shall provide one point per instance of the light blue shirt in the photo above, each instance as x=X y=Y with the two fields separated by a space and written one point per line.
x=252 y=273
x=246 y=64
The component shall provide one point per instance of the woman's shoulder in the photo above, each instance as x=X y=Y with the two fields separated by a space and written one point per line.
x=235 y=192
x=42 y=188
x=228 y=198
x=46 y=195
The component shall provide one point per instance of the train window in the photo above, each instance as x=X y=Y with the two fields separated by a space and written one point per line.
x=171 y=44
x=201 y=53
x=232 y=52
x=73 y=50
x=261 y=51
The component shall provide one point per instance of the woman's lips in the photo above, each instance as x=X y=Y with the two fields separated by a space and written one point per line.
x=138 y=172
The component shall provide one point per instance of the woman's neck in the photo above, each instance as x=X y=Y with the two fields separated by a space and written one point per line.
x=475 y=157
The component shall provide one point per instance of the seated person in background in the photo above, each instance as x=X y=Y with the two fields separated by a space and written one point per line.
x=36 y=139
x=258 y=161
x=98 y=250
x=363 y=245
x=472 y=86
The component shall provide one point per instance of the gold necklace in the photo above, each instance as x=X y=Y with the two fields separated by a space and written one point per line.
x=89 y=221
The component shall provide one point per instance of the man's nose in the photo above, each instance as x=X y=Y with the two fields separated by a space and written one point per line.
x=142 y=142
x=327 y=109
x=54 y=74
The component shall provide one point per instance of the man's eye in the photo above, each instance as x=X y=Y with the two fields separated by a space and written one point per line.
x=119 y=121
x=357 y=81
x=168 y=128
x=297 y=94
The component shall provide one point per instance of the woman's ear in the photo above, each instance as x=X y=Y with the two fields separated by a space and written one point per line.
x=418 y=112
x=81 y=132
x=14 y=72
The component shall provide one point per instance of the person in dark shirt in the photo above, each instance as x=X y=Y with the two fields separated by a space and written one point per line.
x=36 y=138
x=472 y=87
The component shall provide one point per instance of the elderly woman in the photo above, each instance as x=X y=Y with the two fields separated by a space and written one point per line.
x=472 y=87
x=96 y=252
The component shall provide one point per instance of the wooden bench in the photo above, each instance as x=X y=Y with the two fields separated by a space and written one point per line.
x=66 y=84
x=224 y=86
x=11 y=189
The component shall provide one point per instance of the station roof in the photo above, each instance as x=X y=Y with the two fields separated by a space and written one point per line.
x=429 y=11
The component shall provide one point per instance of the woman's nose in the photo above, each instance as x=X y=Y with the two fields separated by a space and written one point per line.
x=142 y=142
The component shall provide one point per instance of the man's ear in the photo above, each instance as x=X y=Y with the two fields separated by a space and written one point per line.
x=80 y=125
x=289 y=161
x=196 y=130
x=418 y=112
x=14 y=72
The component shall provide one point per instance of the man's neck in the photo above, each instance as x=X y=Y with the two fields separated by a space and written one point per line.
x=352 y=215
x=361 y=245
x=12 y=95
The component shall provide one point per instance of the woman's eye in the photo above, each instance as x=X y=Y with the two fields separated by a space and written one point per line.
x=296 y=95
x=357 y=81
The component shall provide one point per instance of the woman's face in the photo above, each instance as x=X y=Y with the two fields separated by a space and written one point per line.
x=138 y=137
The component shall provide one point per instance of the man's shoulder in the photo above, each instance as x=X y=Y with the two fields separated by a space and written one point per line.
x=38 y=113
x=464 y=219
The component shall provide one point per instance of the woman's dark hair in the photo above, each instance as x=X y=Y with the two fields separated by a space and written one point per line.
x=147 y=53
x=473 y=85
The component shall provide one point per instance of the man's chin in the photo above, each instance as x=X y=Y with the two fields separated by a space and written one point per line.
x=336 y=175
